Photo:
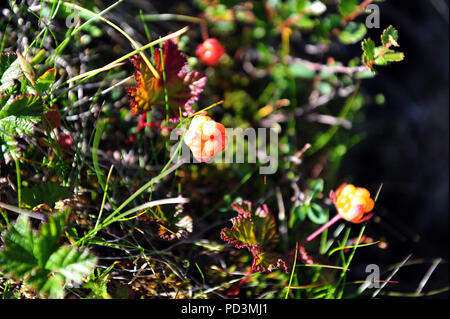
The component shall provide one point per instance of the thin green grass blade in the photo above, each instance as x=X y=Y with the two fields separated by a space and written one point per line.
x=293 y=271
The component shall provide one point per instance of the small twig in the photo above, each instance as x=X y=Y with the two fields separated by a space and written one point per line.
x=325 y=67
x=330 y=120
x=25 y=212
x=352 y=16
x=282 y=217
x=203 y=28
x=169 y=17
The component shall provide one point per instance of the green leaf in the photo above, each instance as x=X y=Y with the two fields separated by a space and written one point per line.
x=382 y=55
x=257 y=233
x=368 y=47
x=45 y=81
x=368 y=57
x=390 y=36
x=315 y=187
x=50 y=233
x=52 y=286
x=298 y=214
x=18 y=115
x=306 y=23
x=300 y=5
x=352 y=33
x=326 y=26
x=6 y=59
x=317 y=214
x=39 y=260
x=26 y=68
x=38 y=58
x=22 y=106
x=385 y=56
x=299 y=70
x=72 y=264
x=367 y=74
x=18 y=256
x=9 y=70
x=46 y=193
x=394 y=56
x=98 y=283
x=347 y=7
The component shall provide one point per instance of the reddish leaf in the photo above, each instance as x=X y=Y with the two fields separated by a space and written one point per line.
x=257 y=233
x=267 y=261
x=183 y=86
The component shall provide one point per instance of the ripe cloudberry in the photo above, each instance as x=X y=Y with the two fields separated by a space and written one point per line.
x=205 y=137
x=352 y=202
x=210 y=52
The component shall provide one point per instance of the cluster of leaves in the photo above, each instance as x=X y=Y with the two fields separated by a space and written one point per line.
x=180 y=86
x=39 y=259
x=21 y=103
x=382 y=55
x=309 y=209
x=257 y=232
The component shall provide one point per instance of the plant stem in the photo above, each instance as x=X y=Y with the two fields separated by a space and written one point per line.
x=25 y=212
x=321 y=229
x=168 y=17
x=19 y=183
x=293 y=270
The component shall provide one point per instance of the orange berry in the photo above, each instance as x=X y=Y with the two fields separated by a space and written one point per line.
x=205 y=137
x=190 y=138
x=342 y=201
x=209 y=129
x=369 y=205
x=352 y=202
x=362 y=192
x=197 y=122
x=211 y=147
x=347 y=190
x=357 y=201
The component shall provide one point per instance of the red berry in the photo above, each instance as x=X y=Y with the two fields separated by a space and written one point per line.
x=65 y=141
x=210 y=52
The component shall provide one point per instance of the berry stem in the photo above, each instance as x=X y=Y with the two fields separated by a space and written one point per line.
x=203 y=28
x=321 y=229
x=314 y=235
